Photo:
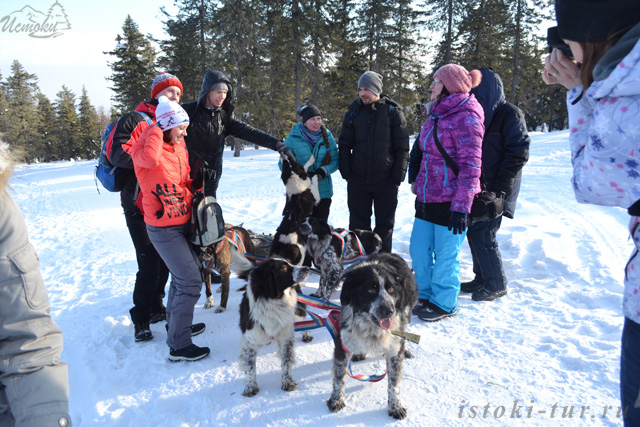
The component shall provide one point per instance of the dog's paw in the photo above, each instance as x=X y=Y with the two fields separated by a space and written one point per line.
x=316 y=295
x=335 y=404
x=219 y=290
x=250 y=391
x=221 y=309
x=209 y=303
x=307 y=337
x=408 y=354
x=398 y=412
x=289 y=385
x=358 y=357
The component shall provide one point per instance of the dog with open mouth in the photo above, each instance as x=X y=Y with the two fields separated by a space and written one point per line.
x=377 y=297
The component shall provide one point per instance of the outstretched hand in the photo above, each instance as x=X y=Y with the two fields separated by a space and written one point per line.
x=285 y=151
x=558 y=69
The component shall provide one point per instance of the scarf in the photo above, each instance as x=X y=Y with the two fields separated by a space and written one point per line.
x=311 y=137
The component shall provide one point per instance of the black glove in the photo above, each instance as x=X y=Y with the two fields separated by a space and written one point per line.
x=458 y=222
x=196 y=185
x=321 y=174
x=283 y=149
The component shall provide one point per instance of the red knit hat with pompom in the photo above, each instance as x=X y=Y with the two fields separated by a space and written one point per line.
x=457 y=79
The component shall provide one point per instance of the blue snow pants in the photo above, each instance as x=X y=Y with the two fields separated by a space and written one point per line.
x=434 y=254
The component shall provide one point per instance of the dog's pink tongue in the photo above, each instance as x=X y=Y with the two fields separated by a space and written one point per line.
x=385 y=324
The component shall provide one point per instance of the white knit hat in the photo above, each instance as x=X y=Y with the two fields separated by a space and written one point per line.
x=170 y=114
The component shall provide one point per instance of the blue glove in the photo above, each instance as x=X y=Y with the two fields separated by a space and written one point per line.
x=458 y=222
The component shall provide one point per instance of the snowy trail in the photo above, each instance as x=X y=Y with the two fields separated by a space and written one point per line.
x=553 y=340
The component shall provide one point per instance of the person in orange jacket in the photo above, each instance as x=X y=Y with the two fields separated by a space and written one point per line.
x=152 y=274
x=161 y=163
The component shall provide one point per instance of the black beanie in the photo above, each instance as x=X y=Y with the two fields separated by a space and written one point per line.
x=307 y=111
x=595 y=20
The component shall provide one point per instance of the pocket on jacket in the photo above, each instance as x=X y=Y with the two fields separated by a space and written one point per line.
x=26 y=261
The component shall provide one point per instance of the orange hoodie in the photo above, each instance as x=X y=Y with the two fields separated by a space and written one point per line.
x=162 y=170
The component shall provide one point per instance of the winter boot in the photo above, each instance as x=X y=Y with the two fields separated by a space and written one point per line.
x=190 y=353
x=485 y=294
x=472 y=286
x=142 y=332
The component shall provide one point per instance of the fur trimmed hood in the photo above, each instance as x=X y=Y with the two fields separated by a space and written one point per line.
x=6 y=165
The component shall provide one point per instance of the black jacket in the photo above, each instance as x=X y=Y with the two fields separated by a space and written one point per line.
x=128 y=130
x=374 y=142
x=505 y=146
x=208 y=128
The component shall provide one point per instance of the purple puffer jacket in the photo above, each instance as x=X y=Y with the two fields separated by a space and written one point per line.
x=460 y=132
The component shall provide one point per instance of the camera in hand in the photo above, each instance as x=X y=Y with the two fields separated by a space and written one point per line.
x=555 y=42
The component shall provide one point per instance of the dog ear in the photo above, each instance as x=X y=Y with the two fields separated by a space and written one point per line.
x=350 y=280
x=286 y=168
x=264 y=278
x=347 y=290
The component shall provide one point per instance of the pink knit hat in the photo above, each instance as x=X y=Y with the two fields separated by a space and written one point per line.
x=457 y=79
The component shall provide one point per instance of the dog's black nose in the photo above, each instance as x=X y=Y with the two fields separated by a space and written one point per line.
x=385 y=311
x=305 y=228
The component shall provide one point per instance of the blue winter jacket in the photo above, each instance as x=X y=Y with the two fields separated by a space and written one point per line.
x=301 y=149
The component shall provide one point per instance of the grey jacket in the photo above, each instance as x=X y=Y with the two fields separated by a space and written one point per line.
x=34 y=387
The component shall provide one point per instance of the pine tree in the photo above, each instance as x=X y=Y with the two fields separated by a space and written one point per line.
x=528 y=17
x=485 y=37
x=373 y=25
x=104 y=118
x=319 y=33
x=21 y=90
x=90 y=141
x=133 y=70
x=4 y=108
x=46 y=148
x=67 y=130
x=403 y=69
x=187 y=50
x=240 y=40
x=348 y=66
x=444 y=16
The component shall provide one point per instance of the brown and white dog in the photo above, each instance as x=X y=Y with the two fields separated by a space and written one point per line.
x=377 y=297
x=220 y=256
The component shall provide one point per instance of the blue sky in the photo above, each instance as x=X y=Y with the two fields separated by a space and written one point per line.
x=75 y=57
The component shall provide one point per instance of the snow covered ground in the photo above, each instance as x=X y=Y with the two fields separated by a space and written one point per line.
x=546 y=354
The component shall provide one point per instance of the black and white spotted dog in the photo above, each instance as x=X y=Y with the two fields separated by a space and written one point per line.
x=377 y=297
x=267 y=314
x=302 y=195
x=329 y=247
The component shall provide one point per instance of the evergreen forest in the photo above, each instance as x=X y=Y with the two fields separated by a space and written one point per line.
x=280 y=54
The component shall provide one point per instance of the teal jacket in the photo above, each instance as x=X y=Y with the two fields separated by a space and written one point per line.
x=301 y=149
